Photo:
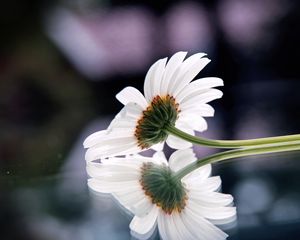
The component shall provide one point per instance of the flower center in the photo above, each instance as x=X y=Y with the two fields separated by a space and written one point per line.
x=150 y=129
x=164 y=190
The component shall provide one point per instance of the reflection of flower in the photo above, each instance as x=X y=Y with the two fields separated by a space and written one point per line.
x=170 y=99
x=149 y=188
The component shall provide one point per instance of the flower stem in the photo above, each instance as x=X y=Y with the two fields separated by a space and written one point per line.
x=257 y=150
x=230 y=143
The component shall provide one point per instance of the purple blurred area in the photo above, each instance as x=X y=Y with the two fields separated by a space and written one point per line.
x=61 y=64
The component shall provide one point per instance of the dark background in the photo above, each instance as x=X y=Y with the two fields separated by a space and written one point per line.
x=61 y=64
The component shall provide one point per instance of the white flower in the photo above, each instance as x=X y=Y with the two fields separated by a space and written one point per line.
x=182 y=209
x=170 y=99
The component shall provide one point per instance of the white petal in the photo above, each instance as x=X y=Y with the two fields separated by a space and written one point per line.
x=158 y=77
x=205 y=97
x=130 y=198
x=208 y=82
x=190 y=74
x=211 y=199
x=132 y=161
x=110 y=141
x=193 y=228
x=153 y=79
x=122 y=137
x=198 y=175
x=133 y=110
x=142 y=207
x=195 y=121
x=124 y=123
x=203 y=110
x=207 y=185
x=159 y=158
x=170 y=69
x=202 y=226
x=120 y=132
x=109 y=151
x=93 y=138
x=130 y=94
x=120 y=115
x=181 y=71
x=183 y=230
x=212 y=213
x=122 y=151
x=148 y=79
x=113 y=172
x=178 y=143
x=181 y=158
x=171 y=229
x=158 y=147
x=187 y=71
x=143 y=228
x=111 y=187
x=162 y=226
x=125 y=208
x=199 y=86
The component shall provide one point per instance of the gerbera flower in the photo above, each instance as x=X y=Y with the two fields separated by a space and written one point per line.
x=171 y=99
x=187 y=208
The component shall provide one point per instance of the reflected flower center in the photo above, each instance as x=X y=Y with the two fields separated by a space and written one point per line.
x=163 y=188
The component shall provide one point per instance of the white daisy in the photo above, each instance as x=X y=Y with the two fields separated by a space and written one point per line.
x=148 y=187
x=170 y=99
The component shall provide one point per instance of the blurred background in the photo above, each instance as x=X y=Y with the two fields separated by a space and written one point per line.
x=63 y=61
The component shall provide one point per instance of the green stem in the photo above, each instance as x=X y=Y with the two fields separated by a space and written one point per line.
x=258 y=150
x=231 y=143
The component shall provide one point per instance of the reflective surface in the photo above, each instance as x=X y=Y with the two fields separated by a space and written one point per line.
x=60 y=206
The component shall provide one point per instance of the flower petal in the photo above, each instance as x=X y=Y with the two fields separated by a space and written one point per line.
x=159 y=158
x=125 y=123
x=178 y=143
x=210 y=184
x=131 y=196
x=130 y=94
x=148 y=79
x=183 y=231
x=133 y=110
x=198 y=175
x=199 y=86
x=181 y=158
x=93 y=139
x=153 y=79
x=171 y=67
x=142 y=207
x=158 y=77
x=103 y=186
x=201 y=226
x=112 y=150
x=205 y=97
x=143 y=227
x=196 y=122
x=211 y=199
x=222 y=215
x=162 y=226
x=113 y=172
x=158 y=147
x=188 y=70
x=203 y=110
